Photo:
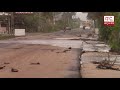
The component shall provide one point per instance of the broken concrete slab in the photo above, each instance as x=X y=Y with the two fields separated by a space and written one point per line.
x=95 y=46
x=94 y=42
x=77 y=38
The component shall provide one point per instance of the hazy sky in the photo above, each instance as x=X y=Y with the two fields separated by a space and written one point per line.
x=82 y=16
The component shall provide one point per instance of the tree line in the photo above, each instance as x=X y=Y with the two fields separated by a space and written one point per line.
x=46 y=21
x=110 y=35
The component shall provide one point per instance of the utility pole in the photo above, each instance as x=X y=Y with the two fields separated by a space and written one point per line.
x=39 y=24
x=12 y=23
x=54 y=18
x=9 y=18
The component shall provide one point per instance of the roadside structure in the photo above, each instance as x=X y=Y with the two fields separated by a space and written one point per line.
x=5 y=22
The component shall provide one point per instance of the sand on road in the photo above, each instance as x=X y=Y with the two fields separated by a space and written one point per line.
x=54 y=63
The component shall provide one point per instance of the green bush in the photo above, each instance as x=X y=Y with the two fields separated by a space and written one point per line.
x=4 y=37
x=111 y=34
x=59 y=25
x=64 y=23
x=44 y=22
x=114 y=40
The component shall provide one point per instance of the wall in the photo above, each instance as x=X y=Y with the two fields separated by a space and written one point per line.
x=2 y=30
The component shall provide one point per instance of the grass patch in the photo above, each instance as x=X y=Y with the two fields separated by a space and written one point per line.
x=4 y=37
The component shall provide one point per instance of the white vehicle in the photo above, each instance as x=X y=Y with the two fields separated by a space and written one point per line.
x=87 y=27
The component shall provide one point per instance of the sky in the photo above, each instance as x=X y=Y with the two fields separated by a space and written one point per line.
x=82 y=16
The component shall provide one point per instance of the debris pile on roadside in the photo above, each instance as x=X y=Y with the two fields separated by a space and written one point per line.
x=107 y=64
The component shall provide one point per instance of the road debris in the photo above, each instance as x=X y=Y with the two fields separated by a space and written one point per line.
x=35 y=63
x=69 y=48
x=52 y=50
x=2 y=67
x=66 y=51
x=106 y=64
x=14 y=70
x=6 y=63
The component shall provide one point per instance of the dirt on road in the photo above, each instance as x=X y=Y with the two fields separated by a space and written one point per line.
x=20 y=60
x=58 y=34
x=37 y=61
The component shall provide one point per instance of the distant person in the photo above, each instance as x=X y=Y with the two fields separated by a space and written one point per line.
x=64 y=29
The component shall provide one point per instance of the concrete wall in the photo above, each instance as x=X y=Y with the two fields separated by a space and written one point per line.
x=19 y=32
x=3 y=30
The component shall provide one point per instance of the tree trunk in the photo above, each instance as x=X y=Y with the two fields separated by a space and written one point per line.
x=93 y=26
x=54 y=18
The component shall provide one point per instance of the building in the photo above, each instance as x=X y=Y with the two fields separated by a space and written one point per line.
x=7 y=21
x=4 y=22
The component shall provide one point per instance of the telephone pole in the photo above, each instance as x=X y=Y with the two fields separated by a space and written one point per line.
x=54 y=18
x=12 y=23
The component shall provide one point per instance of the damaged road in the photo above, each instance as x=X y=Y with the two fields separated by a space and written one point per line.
x=23 y=57
x=97 y=63
x=54 y=55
